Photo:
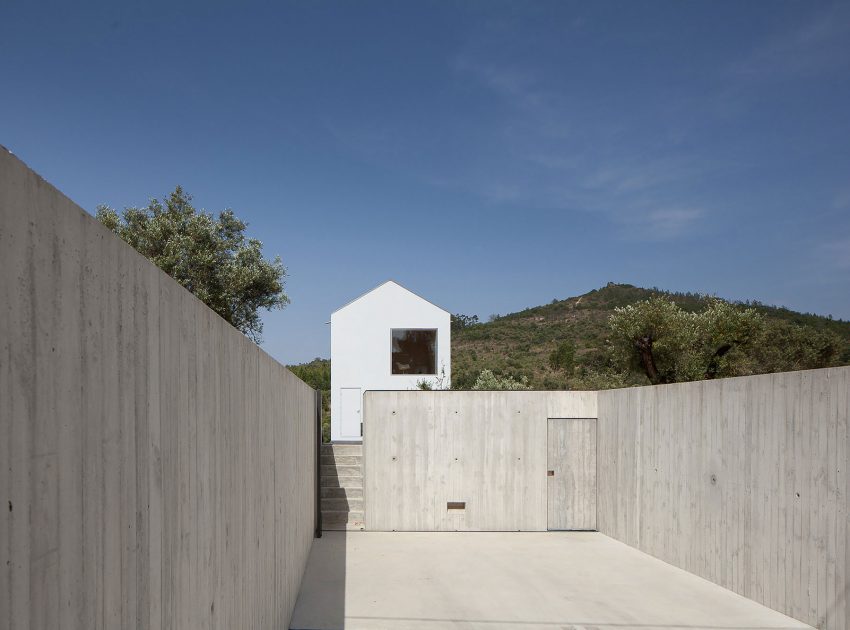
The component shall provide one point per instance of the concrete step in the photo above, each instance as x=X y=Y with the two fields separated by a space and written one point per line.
x=342 y=493
x=341 y=517
x=341 y=460
x=342 y=504
x=343 y=527
x=342 y=449
x=343 y=482
x=341 y=471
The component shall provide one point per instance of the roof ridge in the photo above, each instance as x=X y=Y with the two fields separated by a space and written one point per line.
x=398 y=284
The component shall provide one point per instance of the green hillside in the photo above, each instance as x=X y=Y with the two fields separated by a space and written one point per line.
x=519 y=344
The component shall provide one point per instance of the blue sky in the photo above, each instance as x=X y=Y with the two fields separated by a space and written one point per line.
x=488 y=155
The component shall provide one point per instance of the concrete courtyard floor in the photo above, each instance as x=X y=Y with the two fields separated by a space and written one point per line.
x=540 y=581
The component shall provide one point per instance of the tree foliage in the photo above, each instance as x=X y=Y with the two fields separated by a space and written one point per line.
x=563 y=356
x=669 y=344
x=593 y=378
x=785 y=346
x=210 y=256
x=317 y=374
x=461 y=321
x=487 y=380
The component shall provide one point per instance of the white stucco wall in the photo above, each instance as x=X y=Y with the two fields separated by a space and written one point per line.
x=361 y=343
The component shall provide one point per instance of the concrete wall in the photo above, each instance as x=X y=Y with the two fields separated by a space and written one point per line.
x=157 y=467
x=742 y=481
x=361 y=348
x=422 y=450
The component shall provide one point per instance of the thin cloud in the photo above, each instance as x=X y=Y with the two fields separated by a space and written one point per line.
x=817 y=46
x=660 y=224
x=630 y=175
x=550 y=156
x=514 y=82
x=520 y=88
x=669 y=223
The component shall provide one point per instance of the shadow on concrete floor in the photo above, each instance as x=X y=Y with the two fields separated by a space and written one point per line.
x=321 y=600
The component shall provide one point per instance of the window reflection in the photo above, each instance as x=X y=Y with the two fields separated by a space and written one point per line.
x=414 y=351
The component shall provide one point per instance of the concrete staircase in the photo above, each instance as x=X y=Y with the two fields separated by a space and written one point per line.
x=342 y=486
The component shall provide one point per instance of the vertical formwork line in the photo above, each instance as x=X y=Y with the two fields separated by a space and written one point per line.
x=318 y=468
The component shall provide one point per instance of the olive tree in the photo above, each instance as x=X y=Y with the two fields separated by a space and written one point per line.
x=669 y=344
x=210 y=256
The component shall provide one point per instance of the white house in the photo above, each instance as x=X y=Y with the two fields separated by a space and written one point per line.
x=388 y=338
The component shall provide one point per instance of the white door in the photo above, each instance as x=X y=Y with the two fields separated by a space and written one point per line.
x=350 y=413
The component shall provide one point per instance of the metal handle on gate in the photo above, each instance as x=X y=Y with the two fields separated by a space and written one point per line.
x=550 y=473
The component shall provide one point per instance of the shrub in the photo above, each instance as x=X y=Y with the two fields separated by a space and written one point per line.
x=487 y=380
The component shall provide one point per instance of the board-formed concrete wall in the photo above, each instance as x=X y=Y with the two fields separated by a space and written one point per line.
x=742 y=481
x=157 y=466
x=424 y=449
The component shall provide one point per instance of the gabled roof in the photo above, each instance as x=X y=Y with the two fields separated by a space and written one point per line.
x=382 y=284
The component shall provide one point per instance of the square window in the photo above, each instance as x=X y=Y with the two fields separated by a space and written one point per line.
x=414 y=351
